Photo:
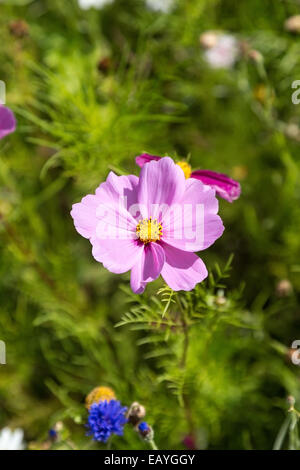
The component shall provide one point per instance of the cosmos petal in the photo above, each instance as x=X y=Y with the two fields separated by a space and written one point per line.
x=7 y=121
x=146 y=158
x=193 y=225
x=148 y=267
x=161 y=184
x=109 y=206
x=225 y=187
x=182 y=270
x=118 y=256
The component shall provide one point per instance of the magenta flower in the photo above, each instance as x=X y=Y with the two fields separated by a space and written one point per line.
x=225 y=187
x=7 y=121
x=151 y=225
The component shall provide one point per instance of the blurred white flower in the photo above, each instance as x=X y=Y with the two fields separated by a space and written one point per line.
x=224 y=53
x=86 y=4
x=208 y=39
x=292 y=24
x=160 y=5
x=11 y=440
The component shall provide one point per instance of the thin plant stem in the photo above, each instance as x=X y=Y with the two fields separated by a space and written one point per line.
x=70 y=444
x=182 y=364
x=153 y=445
x=185 y=347
x=109 y=443
x=185 y=327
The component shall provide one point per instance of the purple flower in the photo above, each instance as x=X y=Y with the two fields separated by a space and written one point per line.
x=151 y=225
x=106 y=418
x=7 y=121
x=225 y=187
x=190 y=442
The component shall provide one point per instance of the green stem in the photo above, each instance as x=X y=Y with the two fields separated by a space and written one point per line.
x=153 y=445
x=185 y=327
x=109 y=443
x=185 y=347
x=70 y=444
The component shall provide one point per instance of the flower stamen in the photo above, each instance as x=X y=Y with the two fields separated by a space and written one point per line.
x=149 y=230
x=186 y=168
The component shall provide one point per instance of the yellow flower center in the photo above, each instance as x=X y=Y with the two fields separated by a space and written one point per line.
x=186 y=168
x=99 y=394
x=149 y=230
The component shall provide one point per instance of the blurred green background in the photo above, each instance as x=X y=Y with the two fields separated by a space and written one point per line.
x=91 y=89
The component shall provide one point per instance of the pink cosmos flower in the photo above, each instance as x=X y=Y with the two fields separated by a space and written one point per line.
x=7 y=121
x=151 y=225
x=224 y=53
x=225 y=187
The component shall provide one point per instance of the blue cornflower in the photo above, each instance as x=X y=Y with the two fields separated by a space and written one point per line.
x=145 y=431
x=52 y=433
x=143 y=426
x=106 y=418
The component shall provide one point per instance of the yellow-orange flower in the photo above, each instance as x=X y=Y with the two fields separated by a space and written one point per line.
x=186 y=168
x=99 y=394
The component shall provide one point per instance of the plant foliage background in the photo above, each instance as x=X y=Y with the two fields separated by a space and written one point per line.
x=91 y=90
